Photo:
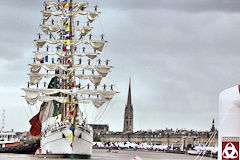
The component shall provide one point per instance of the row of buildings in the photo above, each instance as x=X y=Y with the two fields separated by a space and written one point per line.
x=167 y=136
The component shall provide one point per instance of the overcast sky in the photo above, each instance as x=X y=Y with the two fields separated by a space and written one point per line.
x=180 y=55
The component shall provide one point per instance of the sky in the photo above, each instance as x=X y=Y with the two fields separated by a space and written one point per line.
x=180 y=54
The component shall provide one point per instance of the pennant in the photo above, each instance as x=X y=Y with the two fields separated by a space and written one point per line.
x=71 y=72
x=72 y=85
x=70 y=136
x=69 y=53
x=72 y=120
x=65 y=5
x=70 y=66
x=66 y=41
x=71 y=128
x=71 y=145
x=66 y=23
x=46 y=58
x=67 y=29
x=41 y=61
x=66 y=35
x=72 y=112
x=69 y=60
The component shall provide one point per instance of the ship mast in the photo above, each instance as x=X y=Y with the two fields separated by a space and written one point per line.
x=71 y=48
x=68 y=94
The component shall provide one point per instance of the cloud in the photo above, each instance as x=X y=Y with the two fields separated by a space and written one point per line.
x=180 y=5
x=179 y=53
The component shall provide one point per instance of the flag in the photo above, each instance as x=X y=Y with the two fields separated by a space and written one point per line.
x=46 y=58
x=70 y=66
x=36 y=125
x=71 y=145
x=70 y=136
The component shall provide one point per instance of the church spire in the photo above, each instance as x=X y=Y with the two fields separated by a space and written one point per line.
x=128 y=115
x=213 y=126
x=129 y=100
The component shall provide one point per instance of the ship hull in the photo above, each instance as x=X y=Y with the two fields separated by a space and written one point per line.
x=55 y=143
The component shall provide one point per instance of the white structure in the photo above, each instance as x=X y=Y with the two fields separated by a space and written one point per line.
x=229 y=118
x=8 y=138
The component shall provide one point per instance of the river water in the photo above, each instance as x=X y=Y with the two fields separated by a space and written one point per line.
x=119 y=155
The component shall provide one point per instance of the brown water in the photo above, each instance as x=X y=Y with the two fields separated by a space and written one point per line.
x=104 y=155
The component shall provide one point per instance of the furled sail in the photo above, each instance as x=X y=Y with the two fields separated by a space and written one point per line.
x=55 y=28
x=97 y=45
x=90 y=15
x=103 y=70
x=35 y=78
x=34 y=95
x=40 y=55
x=59 y=5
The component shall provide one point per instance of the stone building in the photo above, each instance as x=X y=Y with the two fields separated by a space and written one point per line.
x=128 y=114
x=100 y=128
x=188 y=138
x=167 y=136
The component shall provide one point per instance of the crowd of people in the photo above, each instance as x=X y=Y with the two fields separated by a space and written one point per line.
x=165 y=147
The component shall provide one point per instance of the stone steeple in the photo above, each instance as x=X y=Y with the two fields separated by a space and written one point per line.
x=128 y=115
x=213 y=127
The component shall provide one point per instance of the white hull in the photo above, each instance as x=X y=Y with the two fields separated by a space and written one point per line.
x=55 y=144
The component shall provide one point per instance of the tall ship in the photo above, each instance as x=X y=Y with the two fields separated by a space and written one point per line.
x=66 y=74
